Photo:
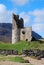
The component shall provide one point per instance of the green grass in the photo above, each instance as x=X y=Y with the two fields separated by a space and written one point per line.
x=17 y=59
x=13 y=59
x=22 y=45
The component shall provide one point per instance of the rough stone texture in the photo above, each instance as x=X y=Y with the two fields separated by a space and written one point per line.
x=15 y=36
x=37 y=53
x=15 y=52
x=15 y=31
x=22 y=34
x=8 y=52
x=18 y=30
x=26 y=34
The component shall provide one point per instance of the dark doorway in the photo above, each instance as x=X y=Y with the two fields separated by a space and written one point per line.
x=26 y=39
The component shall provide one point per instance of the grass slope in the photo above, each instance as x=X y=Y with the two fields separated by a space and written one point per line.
x=22 y=45
x=14 y=59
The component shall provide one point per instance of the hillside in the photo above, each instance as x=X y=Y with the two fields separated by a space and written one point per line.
x=22 y=45
x=5 y=28
x=5 y=32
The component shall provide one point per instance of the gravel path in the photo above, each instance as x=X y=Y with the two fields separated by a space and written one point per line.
x=35 y=61
x=12 y=63
x=31 y=60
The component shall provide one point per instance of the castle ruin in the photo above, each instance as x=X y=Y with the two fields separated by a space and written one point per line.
x=19 y=32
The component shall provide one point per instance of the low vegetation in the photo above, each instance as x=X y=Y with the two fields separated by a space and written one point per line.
x=13 y=59
x=22 y=45
x=18 y=59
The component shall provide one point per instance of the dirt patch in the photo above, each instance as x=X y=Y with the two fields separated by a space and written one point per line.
x=12 y=63
x=35 y=61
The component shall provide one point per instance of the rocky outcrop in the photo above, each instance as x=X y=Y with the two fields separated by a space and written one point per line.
x=37 y=53
x=8 y=52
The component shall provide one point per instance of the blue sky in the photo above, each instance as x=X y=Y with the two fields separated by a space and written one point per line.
x=32 y=11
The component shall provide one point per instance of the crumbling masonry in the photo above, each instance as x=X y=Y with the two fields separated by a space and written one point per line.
x=19 y=32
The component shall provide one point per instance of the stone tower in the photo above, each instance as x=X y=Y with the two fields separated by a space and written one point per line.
x=26 y=34
x=17 y=24
x=19 y=32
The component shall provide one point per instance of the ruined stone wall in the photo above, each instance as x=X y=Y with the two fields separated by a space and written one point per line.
x=15 y=36
x=15 y=31
x=22 y=34
x=17 y=24
x=26 y=34
x=18 y=30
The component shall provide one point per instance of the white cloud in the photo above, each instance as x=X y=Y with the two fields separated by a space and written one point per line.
x=2 y=8
x=38 y=27
x=38 y=15
x=6 y=15
x=25 y=16
x=38 y=20
x=20 y=2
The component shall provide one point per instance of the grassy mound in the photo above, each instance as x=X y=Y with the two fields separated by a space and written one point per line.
x=14 y=59
x=22 y=45
x=18 y=59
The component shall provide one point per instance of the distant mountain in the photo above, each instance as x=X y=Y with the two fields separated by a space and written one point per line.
x=6 y=32
x=5 y=28
x=36 y=35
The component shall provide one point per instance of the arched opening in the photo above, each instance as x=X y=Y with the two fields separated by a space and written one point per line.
x=26 y=39
x=23 y=32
